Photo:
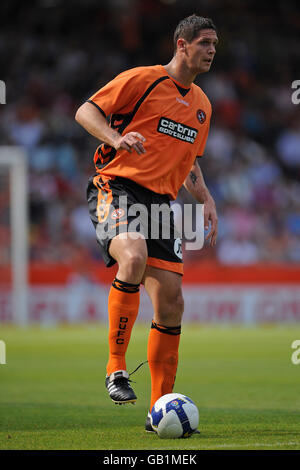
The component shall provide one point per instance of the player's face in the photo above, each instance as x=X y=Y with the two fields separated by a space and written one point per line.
x=201 y=51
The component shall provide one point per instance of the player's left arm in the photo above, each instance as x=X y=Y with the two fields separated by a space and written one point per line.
x=196 y=186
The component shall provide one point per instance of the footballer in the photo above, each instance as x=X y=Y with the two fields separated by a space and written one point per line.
x=153 y=123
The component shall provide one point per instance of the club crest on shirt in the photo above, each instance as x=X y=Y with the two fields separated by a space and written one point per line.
x=117 y=214
x=201 y=116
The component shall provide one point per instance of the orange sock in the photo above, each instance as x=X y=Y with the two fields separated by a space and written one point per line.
x=123 y=306
x=163 y=345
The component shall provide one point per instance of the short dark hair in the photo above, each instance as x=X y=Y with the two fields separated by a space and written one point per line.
x=189 y=27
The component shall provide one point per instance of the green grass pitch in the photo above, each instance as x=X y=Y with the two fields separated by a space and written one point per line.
x=52 y=393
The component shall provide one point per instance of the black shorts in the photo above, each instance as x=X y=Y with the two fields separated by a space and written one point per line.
x=120 y=205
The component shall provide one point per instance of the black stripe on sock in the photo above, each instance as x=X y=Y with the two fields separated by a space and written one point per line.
x=168 y=330
x=125 y=286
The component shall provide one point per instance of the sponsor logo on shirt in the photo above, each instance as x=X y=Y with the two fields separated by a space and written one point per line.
x=177 y=130
x=182 y=101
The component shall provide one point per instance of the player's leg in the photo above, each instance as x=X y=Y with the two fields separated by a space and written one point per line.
x=164 y=289
x=123 y=305
x=124 y=296
x=116 y=245
x=130 y=252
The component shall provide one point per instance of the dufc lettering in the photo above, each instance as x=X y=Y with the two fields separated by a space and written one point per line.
x=121 y=331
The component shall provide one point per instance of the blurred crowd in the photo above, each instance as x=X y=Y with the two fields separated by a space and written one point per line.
x=55 y=54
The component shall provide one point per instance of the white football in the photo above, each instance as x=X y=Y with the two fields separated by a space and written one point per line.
x=174 y=415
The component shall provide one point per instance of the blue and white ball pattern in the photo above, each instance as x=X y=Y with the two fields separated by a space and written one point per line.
x=174 y=415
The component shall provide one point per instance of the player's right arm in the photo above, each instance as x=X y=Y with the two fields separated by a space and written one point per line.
x=91 y=119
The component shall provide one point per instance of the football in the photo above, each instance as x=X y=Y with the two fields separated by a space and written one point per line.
x=174 y=415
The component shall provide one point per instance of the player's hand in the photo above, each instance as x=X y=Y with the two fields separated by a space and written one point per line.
x=211 y=218
x=132 y=140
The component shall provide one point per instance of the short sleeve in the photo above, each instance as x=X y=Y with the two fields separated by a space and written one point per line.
x=119 y=95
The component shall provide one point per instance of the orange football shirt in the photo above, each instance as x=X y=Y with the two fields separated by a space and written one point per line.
x=173 y=119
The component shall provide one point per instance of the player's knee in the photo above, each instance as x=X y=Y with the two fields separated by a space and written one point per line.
x=133 y=262
x=136 y=261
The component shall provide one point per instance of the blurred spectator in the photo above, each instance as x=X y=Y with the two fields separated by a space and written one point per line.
x=238 y=250
x=54 y=55
x=27 y=128
x=288 y=146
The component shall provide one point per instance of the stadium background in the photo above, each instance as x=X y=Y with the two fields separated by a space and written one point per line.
x=54 y=54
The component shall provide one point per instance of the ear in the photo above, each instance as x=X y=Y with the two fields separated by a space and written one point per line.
x=181 y=45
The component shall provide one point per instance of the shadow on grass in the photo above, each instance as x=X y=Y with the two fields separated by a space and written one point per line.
x=216 y=422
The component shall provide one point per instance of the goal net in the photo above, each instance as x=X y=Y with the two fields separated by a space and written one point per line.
x=13 y=236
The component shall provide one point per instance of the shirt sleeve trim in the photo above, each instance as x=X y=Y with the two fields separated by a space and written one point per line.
x=98 y=107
